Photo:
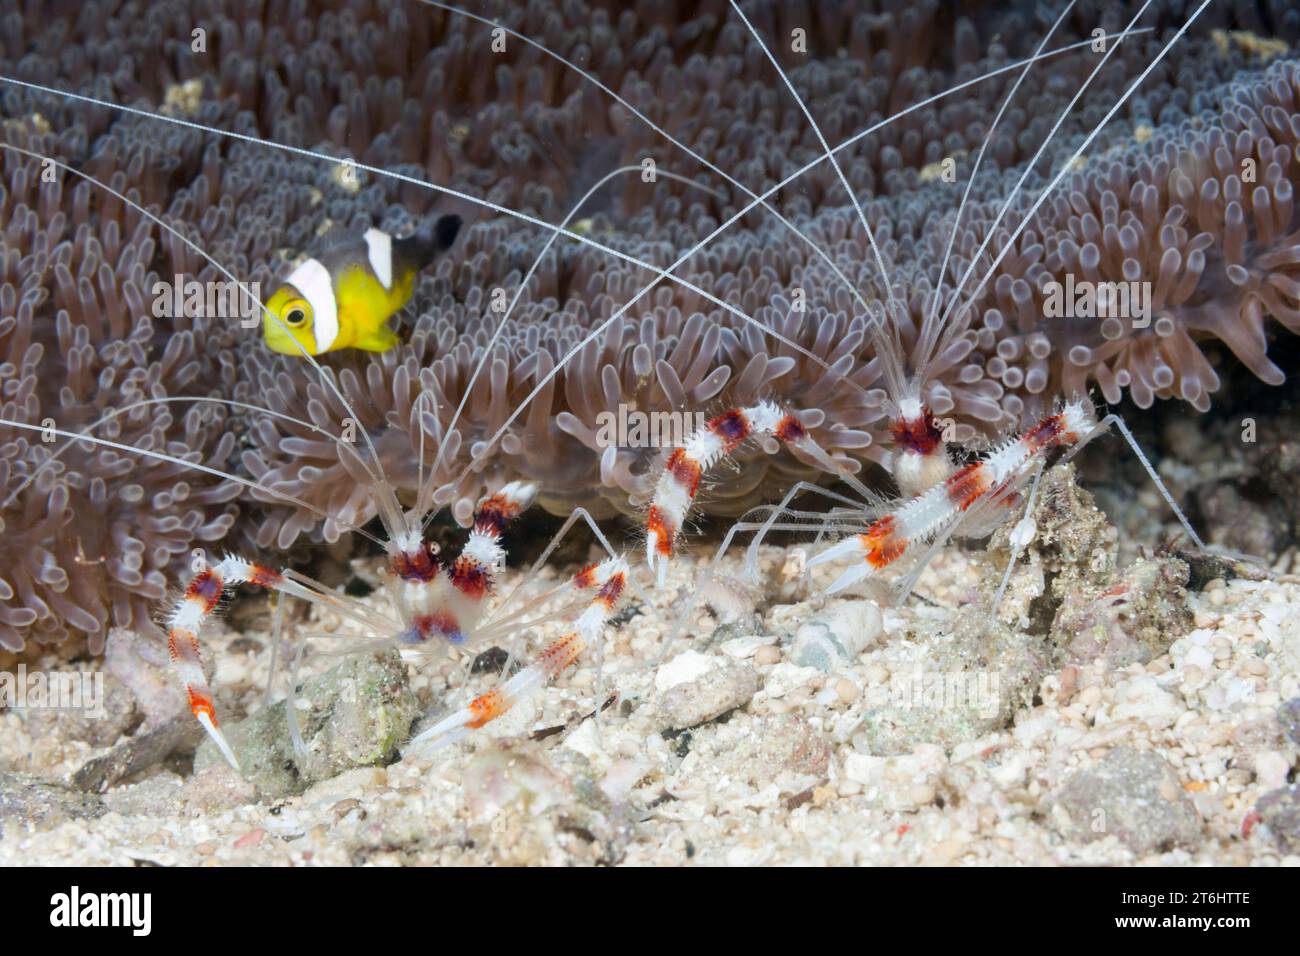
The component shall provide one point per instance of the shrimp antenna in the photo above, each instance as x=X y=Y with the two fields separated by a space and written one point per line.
x=176 y=460
x=1068 y=166
x=594 y=81
x=926 y=350
x=201 y=399
x=448 y=191
x=853 y=197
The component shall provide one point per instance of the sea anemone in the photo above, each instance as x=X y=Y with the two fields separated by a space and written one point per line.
x=92 y=535
x=420 y=90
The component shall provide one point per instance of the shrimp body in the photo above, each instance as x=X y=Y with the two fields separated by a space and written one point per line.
x=943 y=505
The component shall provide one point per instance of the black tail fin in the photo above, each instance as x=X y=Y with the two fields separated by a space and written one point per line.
x=427 y=242
x=445 y=231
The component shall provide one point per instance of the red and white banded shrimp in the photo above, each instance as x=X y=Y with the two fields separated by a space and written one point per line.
x=675 y=493
x=433 y=603
x=938 y=500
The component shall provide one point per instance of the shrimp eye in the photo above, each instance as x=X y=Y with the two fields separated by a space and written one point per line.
x=295 y=316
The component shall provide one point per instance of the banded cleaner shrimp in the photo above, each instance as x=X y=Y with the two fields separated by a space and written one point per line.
x=433 y=602
x=939 y=499
x=389 y=510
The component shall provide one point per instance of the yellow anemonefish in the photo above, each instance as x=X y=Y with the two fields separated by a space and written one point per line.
x=343 y=298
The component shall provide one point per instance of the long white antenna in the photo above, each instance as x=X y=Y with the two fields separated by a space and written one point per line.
x=853 y=197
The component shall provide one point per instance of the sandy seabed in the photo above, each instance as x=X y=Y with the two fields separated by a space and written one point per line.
x=728 y=751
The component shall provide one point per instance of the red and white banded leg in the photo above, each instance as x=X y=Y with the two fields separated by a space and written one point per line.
x=677 y=486
x=193 y=608
x=609 y=578
x=482 y=558
x=930 y=513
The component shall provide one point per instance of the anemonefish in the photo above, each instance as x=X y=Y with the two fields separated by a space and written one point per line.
x=343 y=297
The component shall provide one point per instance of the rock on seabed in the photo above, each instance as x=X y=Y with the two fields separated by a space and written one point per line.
x=355 y=715
x=1131 y=794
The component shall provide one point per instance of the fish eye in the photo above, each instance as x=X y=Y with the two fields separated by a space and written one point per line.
x=295 y=316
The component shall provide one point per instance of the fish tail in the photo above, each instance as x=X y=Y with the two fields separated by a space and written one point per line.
x=433 y=237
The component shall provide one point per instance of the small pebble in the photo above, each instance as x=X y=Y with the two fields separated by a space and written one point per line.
x=1271 y=769
x=251 y=838
x=921 y=794
x=837 y=636
x=847 y=690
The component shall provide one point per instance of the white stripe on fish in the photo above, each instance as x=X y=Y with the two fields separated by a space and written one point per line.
x=314 y=282
x=380 y=246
